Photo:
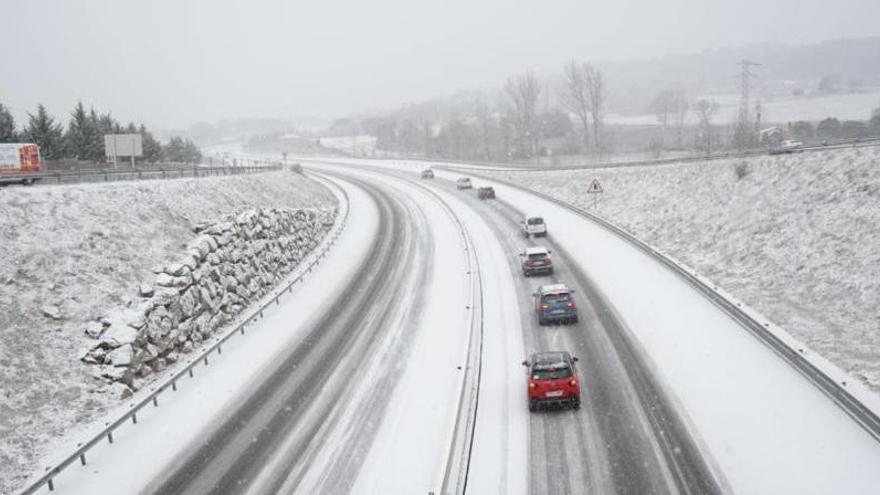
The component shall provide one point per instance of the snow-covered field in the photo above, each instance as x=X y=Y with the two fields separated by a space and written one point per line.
x=797 y=237
x=362 y=145
x=70 y=255
x=856 y=106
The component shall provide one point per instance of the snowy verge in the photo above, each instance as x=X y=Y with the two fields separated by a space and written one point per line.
x=746 y=403
x=797 y=237
x=136 y=459
x=77 y=251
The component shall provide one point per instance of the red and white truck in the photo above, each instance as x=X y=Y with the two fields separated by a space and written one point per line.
x=18 y=161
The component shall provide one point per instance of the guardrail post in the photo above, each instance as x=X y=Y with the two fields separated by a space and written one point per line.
x=51 y=485
x=82 y=458
x=134 y=418
x=110 y=436
x=155 y=401
x=174 y=385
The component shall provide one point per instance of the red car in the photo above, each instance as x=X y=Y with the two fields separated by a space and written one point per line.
x=552 y=380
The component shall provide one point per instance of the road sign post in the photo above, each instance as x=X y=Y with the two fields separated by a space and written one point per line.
x=595 y=189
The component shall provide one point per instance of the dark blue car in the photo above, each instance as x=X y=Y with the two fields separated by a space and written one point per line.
x=554 y=304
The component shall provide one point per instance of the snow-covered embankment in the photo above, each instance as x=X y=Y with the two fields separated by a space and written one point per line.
x=74 y=258
x=797 y=237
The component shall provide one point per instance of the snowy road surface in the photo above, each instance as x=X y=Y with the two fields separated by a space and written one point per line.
x=352 y=383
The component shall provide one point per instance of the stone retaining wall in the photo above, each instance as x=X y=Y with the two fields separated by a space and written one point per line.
x=227 y=266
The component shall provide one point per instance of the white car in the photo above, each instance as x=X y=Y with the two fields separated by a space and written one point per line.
x=787 y=146
x=533 y=226
x=464 y=183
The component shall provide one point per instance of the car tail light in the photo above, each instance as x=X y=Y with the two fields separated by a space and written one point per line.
x=570 y=305
x=545 y=306
x=573 y=382
x=532 y=385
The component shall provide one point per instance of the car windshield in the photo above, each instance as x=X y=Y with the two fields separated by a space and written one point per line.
x=537 y=256
x=557 y=298
x=551 y=371
x=535 y=221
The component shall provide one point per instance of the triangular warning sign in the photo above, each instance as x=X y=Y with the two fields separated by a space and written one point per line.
x=595 y=187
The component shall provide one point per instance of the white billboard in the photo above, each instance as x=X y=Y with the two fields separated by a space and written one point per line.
x=116 y=145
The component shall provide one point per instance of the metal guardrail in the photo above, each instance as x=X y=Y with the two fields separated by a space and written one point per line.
x=171 y=383
x=458 y=458
x=109 y=175
x=860 y=412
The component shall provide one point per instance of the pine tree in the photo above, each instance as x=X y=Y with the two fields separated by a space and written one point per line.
x=152 y=148
x=82 y=136
x=180 y=150
x=45 y=132
x=7 y=126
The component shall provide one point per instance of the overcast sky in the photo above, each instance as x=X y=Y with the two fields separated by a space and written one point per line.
x=171 y=63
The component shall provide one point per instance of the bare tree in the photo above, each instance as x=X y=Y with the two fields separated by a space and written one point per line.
x=596 y=91
x=680 y=107
x=663 y=107
x=706 y=137
x=576 y=98
x=485 y=123
x=523 y=92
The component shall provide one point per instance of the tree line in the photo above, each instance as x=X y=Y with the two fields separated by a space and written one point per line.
x=521 y=120
x=83 y=137
x=566 y=114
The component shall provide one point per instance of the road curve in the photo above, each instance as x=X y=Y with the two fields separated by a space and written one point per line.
x=293 y=399
x=628 y=437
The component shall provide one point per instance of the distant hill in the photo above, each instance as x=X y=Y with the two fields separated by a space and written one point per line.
x=847 y=65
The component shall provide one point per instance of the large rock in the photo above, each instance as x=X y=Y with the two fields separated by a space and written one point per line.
x=164 y=296
x=134 y=318
x=94 y=329
x=146 y=290
x=117 y=335
x=177 y=269
x=189 y=303
x=51 y=311
x=120 y=357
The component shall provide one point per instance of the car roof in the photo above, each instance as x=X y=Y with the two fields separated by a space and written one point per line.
x=553 y=289
x=550 y=359
x=536 y=250
x=464 y=178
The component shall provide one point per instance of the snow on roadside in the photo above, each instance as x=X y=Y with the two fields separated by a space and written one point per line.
x=70 y=255
x=797 y=237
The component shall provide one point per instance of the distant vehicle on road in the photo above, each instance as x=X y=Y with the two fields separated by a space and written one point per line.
x=427 y=174
x=17 y=160
x=533 y=226
x=536 y=261
x=554 y=304
x=786 y=146
x=486 y=192
x=552 y=380
x=464 y=183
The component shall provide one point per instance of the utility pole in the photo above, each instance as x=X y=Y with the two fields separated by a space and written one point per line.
x=744 y=139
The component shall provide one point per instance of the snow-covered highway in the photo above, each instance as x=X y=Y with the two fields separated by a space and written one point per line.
x=354 y=383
